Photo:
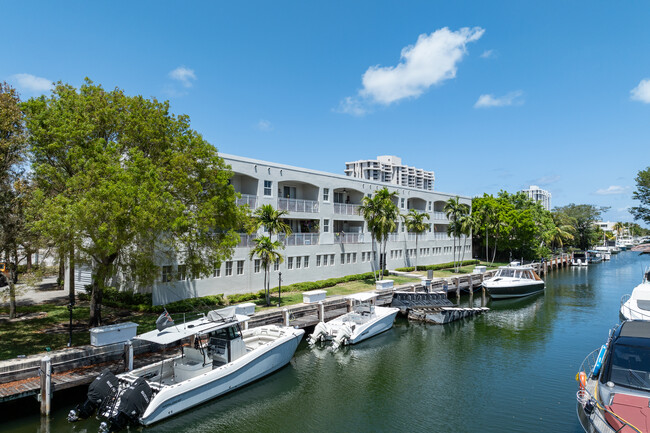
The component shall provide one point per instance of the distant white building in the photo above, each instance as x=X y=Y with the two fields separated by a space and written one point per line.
x=606 y=226
x=389 y=169
x=537 y=194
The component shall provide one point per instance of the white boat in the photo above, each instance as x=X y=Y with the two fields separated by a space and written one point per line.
x=514 y=281
x=364 y=321
x=580 y=258
x=637 y=305
x=221 y=357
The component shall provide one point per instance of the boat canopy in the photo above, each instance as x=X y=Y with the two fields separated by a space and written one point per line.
x=214 y=320
x=362 y=297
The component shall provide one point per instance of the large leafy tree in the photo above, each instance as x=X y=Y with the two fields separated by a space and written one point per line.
x=642 y=193
x=416 y=223
x=582 y=218
x=381 y=214
x=128 y=185
x=268 y=253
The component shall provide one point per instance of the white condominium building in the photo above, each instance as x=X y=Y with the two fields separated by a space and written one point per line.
x=540 y=195
x=389 y=169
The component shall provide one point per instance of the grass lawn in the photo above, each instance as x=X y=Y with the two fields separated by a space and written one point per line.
x=443 y=273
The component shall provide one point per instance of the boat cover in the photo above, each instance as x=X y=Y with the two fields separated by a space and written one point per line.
x=362 y=297
x=632 y=409
x=187 y=329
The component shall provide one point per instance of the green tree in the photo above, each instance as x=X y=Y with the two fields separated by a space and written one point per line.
x=582 y=218
x=271 y=220
x=642 y=193
x=127 y=184
x=267 y=251
x=618 y=228
x=455 y=210
x=380 y=213
x=415 y=223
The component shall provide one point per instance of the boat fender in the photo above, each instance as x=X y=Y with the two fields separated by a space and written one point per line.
x=582 y=380
x=599 y=361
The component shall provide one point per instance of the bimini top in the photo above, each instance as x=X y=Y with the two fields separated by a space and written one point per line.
x=635 y=329
x=215 y=319
x=362 y=297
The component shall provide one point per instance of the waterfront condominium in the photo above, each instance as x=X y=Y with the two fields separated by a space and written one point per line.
x=329 y=239
x=537 y=194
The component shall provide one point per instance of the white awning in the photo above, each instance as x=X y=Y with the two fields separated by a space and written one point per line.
x=187 y=329
x=361 y=297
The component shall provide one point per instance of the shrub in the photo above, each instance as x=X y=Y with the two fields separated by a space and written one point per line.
x=437 y=267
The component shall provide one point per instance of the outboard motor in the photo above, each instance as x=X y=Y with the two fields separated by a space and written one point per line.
x=133 y=402
x=99 y=390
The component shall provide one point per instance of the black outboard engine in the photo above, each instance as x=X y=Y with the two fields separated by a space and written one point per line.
x=133 y=402
x=99 y=390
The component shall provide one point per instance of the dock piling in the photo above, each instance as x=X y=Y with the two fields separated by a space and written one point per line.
x=128 y=356
x=321 y=311
x=458 y=289
x=46 y=385
x=285 y=315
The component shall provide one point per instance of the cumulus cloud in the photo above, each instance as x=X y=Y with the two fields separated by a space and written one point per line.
x=432 y=60
x=512 y=98
x=487 y=54
x=612 y=190
x=184 y=75
x=641 y=92
x=264 y=125
x=31 y=83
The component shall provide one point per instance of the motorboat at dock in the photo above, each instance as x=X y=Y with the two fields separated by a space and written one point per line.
x=221 y=357
x=614 y=382
x=364 y=321
x=636 y=306
x=514 y=281
x=580 y=258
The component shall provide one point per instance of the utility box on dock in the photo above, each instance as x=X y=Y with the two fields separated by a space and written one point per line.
x=384 y=284
x=313 y=296
x=247 y=309
x=479 y=269
x=118 y=333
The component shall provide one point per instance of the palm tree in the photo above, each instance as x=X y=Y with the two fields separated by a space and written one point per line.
x=467 y=224
x=271 y=220
x=454 y=209
x=267 y=251
x=381 y=215
x=415 y=223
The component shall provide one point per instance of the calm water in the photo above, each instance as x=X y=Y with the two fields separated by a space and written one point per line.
x=510 y=370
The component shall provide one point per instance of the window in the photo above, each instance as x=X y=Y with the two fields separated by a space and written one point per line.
x=305 y=262
x=240 y=267
x=166 y=274
x=363 y=256
x=349 y=257
x=354 y=257
x=331 y=259
x=429 y=206
x=257 y=265
x=217 y=270
x=182 y=272
x=326 y=226
x=326 y=194
x=298 y=262
x=318 y=260
x=325 y=260
x=342 y=258
x=228 y=269
x=276 y=265
x=402 y=203
x=289 y=262
x=268 y=188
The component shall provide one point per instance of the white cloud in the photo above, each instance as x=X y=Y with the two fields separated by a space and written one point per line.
x=487 y=54
x=612 y=190
x=641 y=92
x=31 y=83
x=264 y=125
x=432 y=60
x=184 y=75
x=512 y=98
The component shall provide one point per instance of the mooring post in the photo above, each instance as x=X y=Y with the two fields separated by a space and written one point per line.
x=483 y=299
x=285 y=314
x=128 y=356
x=321 y=311
x=46 y=385
x=458 y=289
x=471 y=291
x=350 y=305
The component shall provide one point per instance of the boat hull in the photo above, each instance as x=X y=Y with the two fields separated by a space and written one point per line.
x=251 y=367
x=374 y=328
x=514 y=290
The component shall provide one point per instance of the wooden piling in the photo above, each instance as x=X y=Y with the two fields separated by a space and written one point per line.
x=321 y=311
x=285 y=315
x=128 y=356
x=349 y=305
x=471 y=290
x=458 y=289
x=46 y=385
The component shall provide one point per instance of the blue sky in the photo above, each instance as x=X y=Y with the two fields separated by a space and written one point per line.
x=489 y=95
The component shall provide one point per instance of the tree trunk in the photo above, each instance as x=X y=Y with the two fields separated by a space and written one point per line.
x=29 y=260
x=12 y=296
x=103 y=271
x=454 y=256
x=71 y=292
x=487 y=241
x=416 y=251
x=61 y=279
x=267 y=277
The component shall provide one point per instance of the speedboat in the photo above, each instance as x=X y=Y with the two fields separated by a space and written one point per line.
x=614 y=382
x=580 y=258
x=220 y=357
x=594 y=256
x=364 y=321
x=637 y=305
x=514 y=281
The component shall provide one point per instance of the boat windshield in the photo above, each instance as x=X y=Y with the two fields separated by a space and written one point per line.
x=506 y=272
x=630 y=366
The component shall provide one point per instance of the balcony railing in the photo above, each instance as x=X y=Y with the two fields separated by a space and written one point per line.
x=440 y=236
x=350 y=238
x=439 y=216
x=346 y=209
x=298 y=239
x=247 y=199
x=246 y=241
x=297 y=205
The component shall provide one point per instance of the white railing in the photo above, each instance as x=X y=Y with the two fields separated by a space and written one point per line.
x=299 y=239
x=440 y=236
x=346 y=209
x=394 y=237
x=439 y=216
x=632 y=313
x=349 y=238
x=297 y=205
x=246 y=241
x=247 y=199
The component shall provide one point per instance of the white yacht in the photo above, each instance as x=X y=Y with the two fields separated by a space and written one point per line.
x=514 y=281
x=364 y=321
x=637 y=305
x=221 y=357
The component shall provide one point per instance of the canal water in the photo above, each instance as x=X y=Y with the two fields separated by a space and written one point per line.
x=509 y=370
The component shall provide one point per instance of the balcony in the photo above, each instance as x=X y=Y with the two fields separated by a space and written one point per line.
x=297 y=205
x=439 y=236
x=349 y=238
x=246 y=241
x=299 y=239
x=248 y=200
x=346 y=209
x=439 y=216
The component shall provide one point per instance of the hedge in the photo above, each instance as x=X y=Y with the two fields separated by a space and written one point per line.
x=437 y=267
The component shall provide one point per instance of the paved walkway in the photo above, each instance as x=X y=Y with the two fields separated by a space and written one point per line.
x=46 y=291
